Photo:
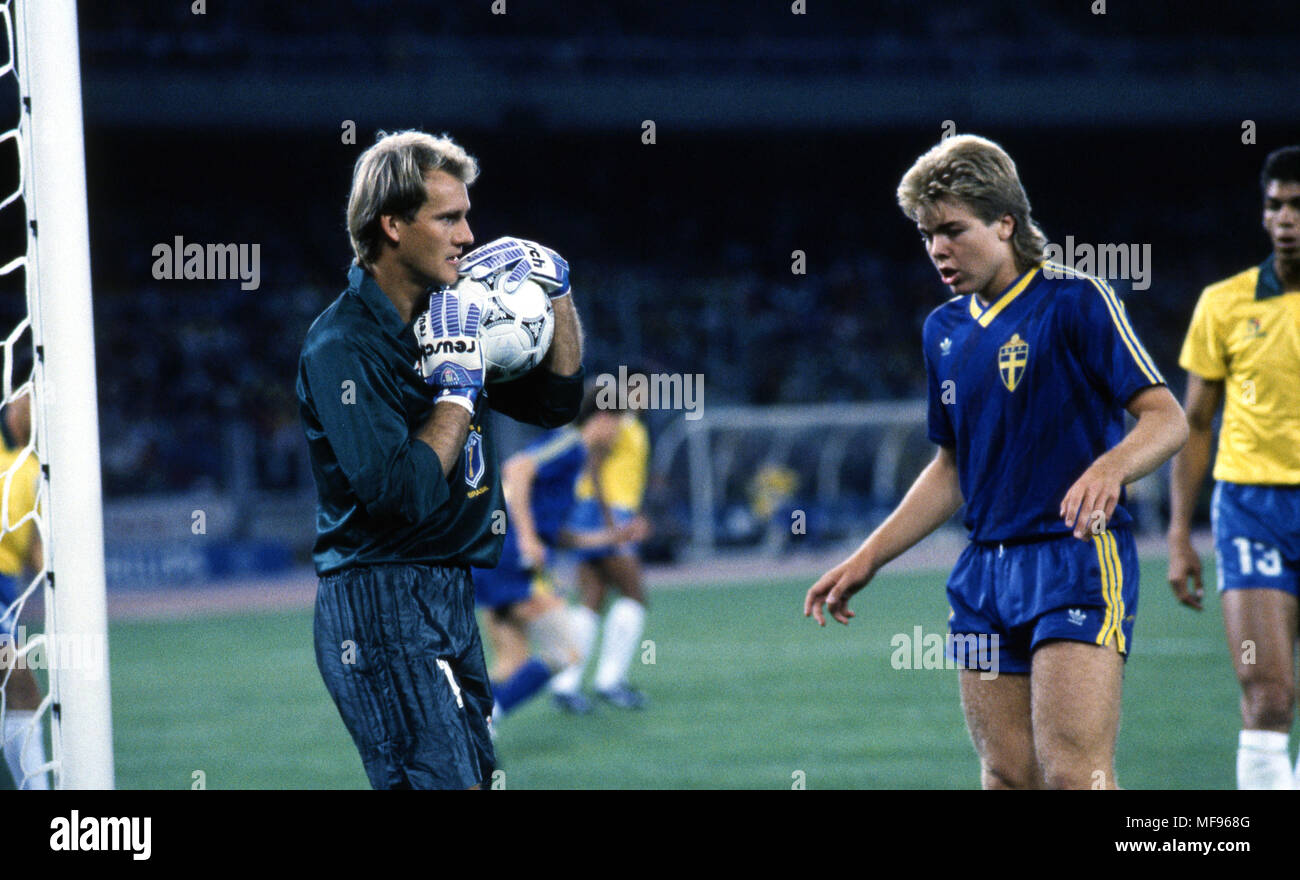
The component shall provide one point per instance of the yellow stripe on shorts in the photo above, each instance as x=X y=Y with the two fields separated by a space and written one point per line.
x=1103 y=562
x=1117 y=589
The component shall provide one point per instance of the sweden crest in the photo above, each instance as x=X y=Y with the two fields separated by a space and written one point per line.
x=1012 y=358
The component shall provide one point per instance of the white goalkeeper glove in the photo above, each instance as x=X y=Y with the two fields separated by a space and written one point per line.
x=451 y=359
x=522 y=259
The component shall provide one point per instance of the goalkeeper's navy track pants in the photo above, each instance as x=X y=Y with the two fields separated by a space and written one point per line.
x=399 y=649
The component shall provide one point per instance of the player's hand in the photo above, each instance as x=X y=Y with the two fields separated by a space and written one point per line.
x=451 y=360
x=834 y=589
x=524 y=259
x=634 y=531
x=1184 y=563
x=1092 y=500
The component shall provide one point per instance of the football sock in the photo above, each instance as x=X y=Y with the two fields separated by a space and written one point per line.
x=17 y=724
x=623 y=626
x=583 y=623
x=553 y=636
x=526 y=681
x=1262 y=761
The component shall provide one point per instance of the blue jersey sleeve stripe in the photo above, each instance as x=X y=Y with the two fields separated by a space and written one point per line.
x=1123 y=314
x=1120 y=318
x=1140 y=357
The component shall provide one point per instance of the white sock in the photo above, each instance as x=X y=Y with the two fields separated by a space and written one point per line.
x=1263 y=762
x=583 y=623
x=623 y=626
x=18 y=724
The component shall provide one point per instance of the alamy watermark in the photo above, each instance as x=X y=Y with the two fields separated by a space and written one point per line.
x=1131 y=262
x=83 y=652
x=641 y=391
x=179 y=261
x=922 y=650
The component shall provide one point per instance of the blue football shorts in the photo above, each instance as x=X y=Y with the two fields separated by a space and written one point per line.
x=1026 y=594
x=8 y=613
x=510 y=582
x=586 y=517
x=398 y=647
x=1256 y=537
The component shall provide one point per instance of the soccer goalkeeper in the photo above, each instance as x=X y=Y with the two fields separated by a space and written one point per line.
x=405 y=465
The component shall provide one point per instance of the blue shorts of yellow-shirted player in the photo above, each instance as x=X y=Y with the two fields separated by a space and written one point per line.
x=1012 y=597
x=587 y=517
x=8 y=613
x=1256 y=537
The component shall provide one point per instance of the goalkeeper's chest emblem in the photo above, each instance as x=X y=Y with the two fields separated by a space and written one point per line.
x=1013 y=356
x=475 y=463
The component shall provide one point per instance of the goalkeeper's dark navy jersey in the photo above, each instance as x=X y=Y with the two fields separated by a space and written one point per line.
x=1029 y=391
x=382 y=494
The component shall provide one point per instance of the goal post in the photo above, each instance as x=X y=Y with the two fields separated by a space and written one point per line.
x=65 y=414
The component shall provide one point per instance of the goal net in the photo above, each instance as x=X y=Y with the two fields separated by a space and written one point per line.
x=54 y=704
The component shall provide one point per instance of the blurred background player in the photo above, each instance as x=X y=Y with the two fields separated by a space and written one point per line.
x=608 y=497
x=532 y=631
x=20 y=555
x=1243 y=351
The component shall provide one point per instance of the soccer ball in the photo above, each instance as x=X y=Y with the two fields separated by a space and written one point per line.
x=515 y=329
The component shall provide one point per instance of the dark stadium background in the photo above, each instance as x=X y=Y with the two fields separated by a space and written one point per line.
x=775 y=132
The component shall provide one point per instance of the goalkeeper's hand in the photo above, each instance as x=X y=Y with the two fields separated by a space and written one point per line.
x=451 y=359
x=524 y=259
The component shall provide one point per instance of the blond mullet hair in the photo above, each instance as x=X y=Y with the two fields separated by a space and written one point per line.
x=389 y=179
x=979 y=174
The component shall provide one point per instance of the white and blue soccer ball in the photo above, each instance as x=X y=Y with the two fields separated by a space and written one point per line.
x=516 y=327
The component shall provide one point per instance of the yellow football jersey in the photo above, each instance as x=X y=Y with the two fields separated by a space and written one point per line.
x=22 y=485
x=1245 y=332
x=623 y=474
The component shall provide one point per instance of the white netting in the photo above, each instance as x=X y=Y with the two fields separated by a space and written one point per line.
x=25 y=650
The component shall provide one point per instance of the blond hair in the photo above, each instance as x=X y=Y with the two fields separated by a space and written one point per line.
x=389 y=179
x=978 y=173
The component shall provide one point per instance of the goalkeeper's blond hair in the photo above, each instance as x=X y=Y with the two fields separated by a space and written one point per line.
x=389 y=179
x=979 y=174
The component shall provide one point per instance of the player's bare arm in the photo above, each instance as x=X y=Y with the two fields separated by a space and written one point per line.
x=445 y=431
x=1190 y=466
x=934 y=497
x=634 y=531
x=565 y=355
x=517 y=476
x=1161 y=430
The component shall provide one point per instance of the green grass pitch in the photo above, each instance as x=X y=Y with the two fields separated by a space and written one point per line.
x=745 y=693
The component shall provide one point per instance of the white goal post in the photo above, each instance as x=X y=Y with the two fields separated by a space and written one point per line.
x=65 y=415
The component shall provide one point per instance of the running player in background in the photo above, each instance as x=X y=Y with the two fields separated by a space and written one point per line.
x=524 y=613
x=1031 y=368
x=609 y=497
x=20 y=556
x=1243 y=351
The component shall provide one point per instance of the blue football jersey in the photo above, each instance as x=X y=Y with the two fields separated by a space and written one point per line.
x=1028 y=392
x=559 y=457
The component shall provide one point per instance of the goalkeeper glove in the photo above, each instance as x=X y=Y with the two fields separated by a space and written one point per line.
x=522 y=259
x=451 y=359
